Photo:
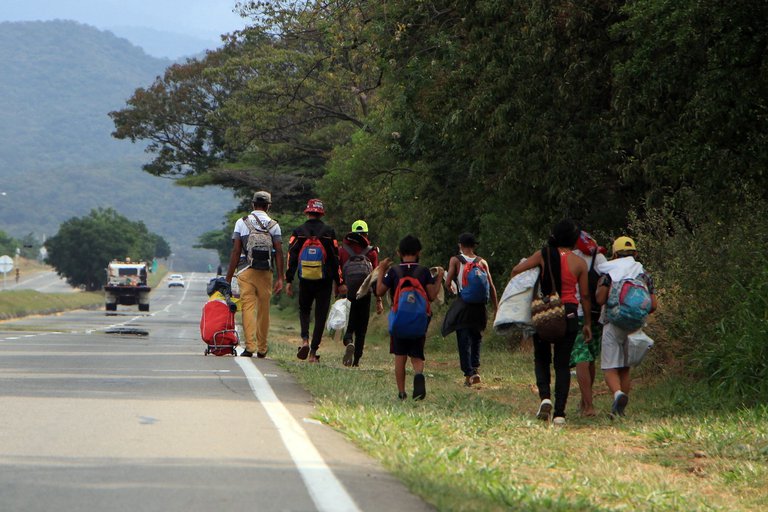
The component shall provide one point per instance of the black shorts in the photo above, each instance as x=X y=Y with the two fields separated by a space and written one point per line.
x=411 y=347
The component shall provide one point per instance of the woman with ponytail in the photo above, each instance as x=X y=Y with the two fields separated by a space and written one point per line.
x=568 y=273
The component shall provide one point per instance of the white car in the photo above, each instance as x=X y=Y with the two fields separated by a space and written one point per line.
x=176 y=280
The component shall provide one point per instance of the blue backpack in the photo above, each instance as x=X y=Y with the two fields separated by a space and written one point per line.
x=410 y=313
x=628 y=304
x=474 y=282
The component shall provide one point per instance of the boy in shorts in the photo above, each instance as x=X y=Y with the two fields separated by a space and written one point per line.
x=409 y=250
x=614 y=339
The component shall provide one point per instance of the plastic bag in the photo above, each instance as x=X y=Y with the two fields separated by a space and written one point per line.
x=638 y=345
x=339 y=315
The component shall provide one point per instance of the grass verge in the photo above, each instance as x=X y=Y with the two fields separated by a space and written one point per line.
x=481 y=448
x=18 y=303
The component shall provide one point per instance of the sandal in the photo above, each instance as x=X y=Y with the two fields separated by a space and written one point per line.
x=303 y=352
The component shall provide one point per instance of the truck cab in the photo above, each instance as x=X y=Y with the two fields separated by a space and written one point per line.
x=127 y=285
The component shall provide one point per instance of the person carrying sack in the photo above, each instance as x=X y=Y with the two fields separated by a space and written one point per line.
x=358 y=259
x=613 y=359
x=563 y=277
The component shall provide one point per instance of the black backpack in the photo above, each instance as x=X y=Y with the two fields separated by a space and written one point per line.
x=355 y=269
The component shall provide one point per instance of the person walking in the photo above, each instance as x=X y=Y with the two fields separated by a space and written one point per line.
x=256 y=247
x=467 y=315
x=613 y=361
x=585 y=353
x=560 y=265
x=313 y=255
x=414 y=313
x=358 y=258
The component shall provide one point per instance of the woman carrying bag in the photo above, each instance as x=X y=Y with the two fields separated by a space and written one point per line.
x=554 y=312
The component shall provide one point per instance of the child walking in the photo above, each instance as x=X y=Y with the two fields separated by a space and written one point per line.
x=409 y=318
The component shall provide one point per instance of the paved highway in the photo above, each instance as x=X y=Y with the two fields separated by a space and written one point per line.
x=93 y=421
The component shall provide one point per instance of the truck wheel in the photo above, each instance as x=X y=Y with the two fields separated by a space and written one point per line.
x=143 y=307
x=110 y=307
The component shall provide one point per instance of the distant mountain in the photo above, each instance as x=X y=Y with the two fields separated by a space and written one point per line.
x=58 y=82
x=167 y=45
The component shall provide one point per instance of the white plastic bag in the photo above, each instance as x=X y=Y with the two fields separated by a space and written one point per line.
x=638 y=345
x=339 y=315
x=515 y=304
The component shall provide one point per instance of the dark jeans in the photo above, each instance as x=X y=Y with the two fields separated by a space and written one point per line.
x=359 y=314
x=543 y=352
x=318 y=292
x=469 y=341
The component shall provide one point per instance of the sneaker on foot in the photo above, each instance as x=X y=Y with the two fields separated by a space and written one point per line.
x=475 y=379
x=559 y=421
x=262 y=355
x=402 y=395
x=246 y=353
x=619 y=403
x=419 y=387
x=349 y=355
x=545 y=409
x=468 y=381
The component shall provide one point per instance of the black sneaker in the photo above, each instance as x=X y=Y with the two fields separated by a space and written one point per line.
x=419 y=387
x=245 y=353
x=261 y=355
x=402 y=395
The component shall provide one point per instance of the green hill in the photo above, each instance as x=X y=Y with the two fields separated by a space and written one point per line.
x=57 y=157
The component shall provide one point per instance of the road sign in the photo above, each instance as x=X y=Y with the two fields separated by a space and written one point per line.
x=6 y=264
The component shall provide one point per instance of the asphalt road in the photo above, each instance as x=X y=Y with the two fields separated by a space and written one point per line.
x=91 y=421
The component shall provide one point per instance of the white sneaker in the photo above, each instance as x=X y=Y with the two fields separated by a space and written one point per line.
x=545 y=409
x=559 y=421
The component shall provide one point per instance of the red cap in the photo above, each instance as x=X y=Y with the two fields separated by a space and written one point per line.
x=315 y=206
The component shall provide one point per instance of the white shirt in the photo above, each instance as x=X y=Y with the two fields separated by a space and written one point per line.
x=242 y=230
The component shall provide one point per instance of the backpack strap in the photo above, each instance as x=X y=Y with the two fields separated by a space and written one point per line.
x=269 y=225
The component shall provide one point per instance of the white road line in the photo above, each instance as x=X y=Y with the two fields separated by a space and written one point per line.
x=326 y=491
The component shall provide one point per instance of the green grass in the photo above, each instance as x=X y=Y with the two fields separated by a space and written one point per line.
x=481 y=448
x=17 y=303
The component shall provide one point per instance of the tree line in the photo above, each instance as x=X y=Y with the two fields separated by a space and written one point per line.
x=500 y=117
x=83 y=247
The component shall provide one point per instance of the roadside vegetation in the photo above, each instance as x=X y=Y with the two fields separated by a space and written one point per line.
x=680 y=447
x=20 y=303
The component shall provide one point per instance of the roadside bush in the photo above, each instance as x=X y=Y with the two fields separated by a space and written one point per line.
x=711 y=281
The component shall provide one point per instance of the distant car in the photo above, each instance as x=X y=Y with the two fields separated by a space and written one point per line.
x=175 y=280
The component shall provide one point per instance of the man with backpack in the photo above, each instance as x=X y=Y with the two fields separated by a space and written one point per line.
x=412 y=288
x=628 y=295
x=313 y=255
x=256 y=244
x=467 y=315
x=358 y=258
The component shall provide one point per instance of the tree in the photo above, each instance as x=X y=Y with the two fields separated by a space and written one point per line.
x=267 y=109
x=8 y=244
x=83 y=247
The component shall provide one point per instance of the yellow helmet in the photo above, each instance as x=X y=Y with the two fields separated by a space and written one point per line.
x=359 y=226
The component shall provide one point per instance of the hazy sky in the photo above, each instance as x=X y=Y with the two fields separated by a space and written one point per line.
x=205 y=19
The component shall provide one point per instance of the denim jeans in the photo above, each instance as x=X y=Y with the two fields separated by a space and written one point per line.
x=469 y=341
